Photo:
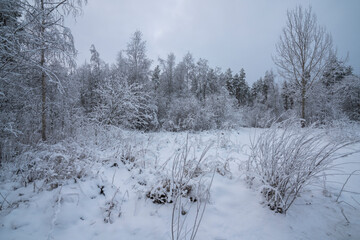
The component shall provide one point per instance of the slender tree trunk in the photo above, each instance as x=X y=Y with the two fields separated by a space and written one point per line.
x=43 y=84
x=204 y=92
x=303 y=102
x=43 y=102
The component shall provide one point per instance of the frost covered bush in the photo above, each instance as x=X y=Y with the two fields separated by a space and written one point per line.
x=191 y=114
x=128 y=157
x=258 y=116
x=165 y=191
x=130 y=106
x=344 y=129
x=186 y=114
x=113 y=206
x=182 y=181
x=52 y=164
x=224 y=114
x=286 y=157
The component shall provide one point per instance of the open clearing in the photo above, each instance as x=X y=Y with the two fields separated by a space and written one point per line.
x=75 y=209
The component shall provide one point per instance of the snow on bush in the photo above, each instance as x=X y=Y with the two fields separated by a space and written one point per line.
x=286 y=157
x=181 y=179
x=51 y=164
x=191 y=114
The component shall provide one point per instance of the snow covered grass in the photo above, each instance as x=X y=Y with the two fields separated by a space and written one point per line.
x=118 y=168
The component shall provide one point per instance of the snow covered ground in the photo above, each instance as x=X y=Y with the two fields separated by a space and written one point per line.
x=108 y=200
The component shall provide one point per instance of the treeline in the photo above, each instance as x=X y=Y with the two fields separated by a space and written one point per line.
x=44 y=97
x=190 y=95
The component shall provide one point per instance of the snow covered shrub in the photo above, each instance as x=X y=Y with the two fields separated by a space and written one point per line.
x=286 y=157
x=113 y=206
x=258 y=116
x=168 y=188
x=221 y=167
x=221 y=106
x=189 y=113
x=163 y=192
x=128 y=157
x=192 y=114
x=131 y=106
x=182 y=114
x=52 y=164
x=181 y=181
x=344 y=129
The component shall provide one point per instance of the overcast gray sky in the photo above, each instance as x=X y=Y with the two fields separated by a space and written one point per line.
x=228 y=33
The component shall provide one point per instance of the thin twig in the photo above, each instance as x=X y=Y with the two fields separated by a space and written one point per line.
x=342 y=189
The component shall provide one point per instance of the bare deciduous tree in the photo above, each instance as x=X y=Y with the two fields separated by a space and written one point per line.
x=302 y=51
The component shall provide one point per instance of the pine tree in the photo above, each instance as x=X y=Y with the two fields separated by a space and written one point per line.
x=239 y=88
x=287 y=96
x=229 y=81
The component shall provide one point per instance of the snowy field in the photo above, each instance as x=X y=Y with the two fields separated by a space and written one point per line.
x=97 y=185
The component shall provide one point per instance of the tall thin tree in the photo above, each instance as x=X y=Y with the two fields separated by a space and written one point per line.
x=49 y=36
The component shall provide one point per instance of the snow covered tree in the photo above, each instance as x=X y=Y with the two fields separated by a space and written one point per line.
x=271 y=92
x=10 y=69
x=189 y=67
x=183 y=76
x=341 y=89
x=155 y=78
x=229 y=81
x=265 y=104
x=179 y=84
x=238 y=87
x=130 y=106
x=335 y=71
x=122 y=95
x=137 y=62
x=349 y=89
x=241 y=88
x=167 y=75
x=93 y=80
x=287 y=96
x=214 y=84
x=10 y=37
x=303 y=52
x=120 y=69
x=32 y=43
x=328 y=100
x=200 y=83
x=36 y=51
x=50 y=40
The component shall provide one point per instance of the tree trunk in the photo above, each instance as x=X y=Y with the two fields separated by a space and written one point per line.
x=43 y=103
x=43 y=84
x=303 y=102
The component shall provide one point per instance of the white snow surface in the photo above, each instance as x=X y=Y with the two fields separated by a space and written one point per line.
x=76 y=210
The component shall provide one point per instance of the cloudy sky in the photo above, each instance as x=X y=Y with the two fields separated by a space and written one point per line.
x=229 y=33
